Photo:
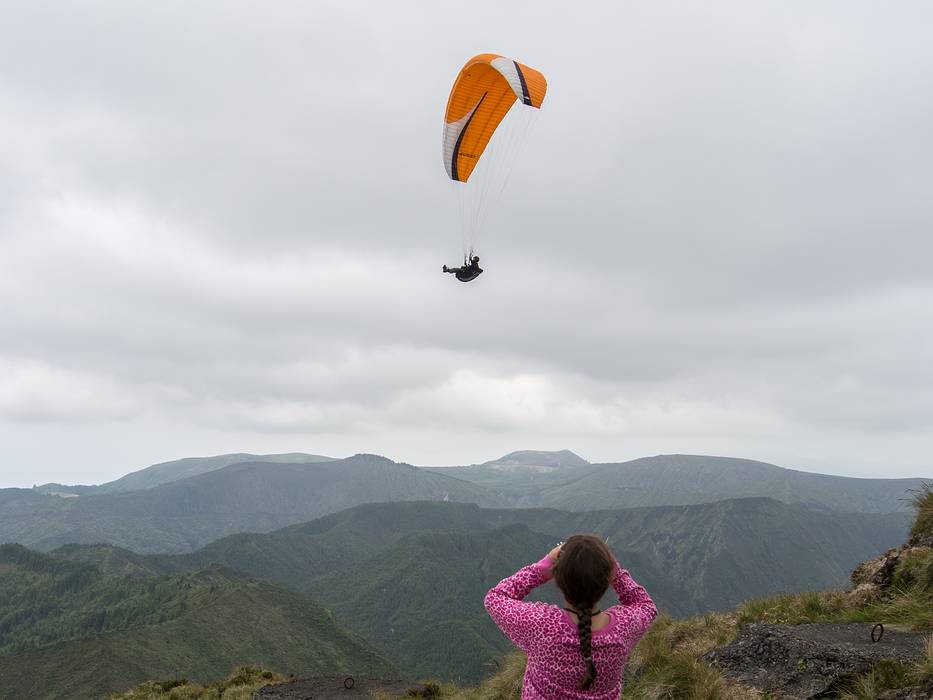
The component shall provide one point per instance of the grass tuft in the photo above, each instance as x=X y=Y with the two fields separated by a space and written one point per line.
x=505 y=685
x=884 y=675
x=925 y=664
x=822 y=606
x=922 y=502
x=241 y=685
x=667 y=663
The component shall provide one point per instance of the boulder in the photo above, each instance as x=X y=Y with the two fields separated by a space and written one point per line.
x=878 y=571
x=864 y=594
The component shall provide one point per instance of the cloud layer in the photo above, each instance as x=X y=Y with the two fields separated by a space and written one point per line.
x=222 y=231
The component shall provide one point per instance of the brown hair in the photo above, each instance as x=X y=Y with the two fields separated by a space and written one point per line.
x=583 y=572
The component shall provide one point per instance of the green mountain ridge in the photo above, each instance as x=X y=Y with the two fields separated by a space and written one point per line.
x=692 y=479
x=673 y=480
x=187 y=514
x=166 y=472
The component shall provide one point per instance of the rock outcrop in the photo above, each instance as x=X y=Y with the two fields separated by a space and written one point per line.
x=806 y=661
x=872 y=579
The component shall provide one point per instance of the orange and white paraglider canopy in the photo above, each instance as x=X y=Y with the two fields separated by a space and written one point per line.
x=484 y=91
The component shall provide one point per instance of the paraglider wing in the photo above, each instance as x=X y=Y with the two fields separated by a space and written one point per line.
x=482 y=95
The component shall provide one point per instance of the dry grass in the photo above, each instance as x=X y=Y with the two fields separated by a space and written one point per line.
x=667 y=663
x=925 y=665
x=505 y=685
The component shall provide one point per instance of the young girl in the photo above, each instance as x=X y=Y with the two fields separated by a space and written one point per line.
x=576 y=653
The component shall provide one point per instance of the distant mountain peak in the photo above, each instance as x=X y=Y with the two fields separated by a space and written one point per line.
x=369 y=458
x=541 y=459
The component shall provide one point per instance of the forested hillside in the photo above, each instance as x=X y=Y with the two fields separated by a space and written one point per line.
x=69 y=631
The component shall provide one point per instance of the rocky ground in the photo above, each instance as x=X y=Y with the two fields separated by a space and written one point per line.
x=343 y=688
x=805 y=661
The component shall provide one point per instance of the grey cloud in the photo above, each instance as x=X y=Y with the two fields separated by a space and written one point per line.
x=235 y=220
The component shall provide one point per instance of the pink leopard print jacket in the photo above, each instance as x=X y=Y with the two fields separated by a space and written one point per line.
x=548 y=635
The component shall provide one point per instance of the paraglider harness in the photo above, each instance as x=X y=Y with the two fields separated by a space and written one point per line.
x=470 y=269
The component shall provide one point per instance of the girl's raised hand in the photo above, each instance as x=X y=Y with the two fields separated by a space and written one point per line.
x=555 y=553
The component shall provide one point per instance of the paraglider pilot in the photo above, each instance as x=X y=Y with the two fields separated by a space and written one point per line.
x=468 y=272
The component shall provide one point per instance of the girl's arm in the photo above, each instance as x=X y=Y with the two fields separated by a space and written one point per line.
x=635 y=599
x=505 y=606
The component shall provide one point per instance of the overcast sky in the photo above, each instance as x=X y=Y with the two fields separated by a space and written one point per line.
x=222 y=227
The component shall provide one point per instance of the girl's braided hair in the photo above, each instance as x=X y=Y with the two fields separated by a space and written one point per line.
x=583 y=572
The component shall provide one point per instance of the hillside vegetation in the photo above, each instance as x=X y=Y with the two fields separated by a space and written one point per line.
x=413 y=564
x=116 y=631
x=45 y=600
